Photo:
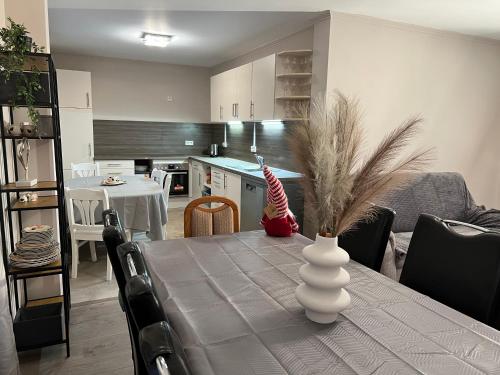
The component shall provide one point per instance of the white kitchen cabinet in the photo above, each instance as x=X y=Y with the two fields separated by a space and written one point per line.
x=217 y=182
x=228 y=95
x=74 y=88
x=245 y=93
x=196 y=179
x=77 y=136
x=263 y=79
x=76 y=119
x=233 y=188
x=216 y=92
x=116 y=167
x=226 y=184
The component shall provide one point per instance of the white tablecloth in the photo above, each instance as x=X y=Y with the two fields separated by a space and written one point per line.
x=140 y=203
x=231 y=299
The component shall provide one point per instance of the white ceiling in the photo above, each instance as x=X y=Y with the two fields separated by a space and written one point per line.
x=200 y=38
x=112 y=27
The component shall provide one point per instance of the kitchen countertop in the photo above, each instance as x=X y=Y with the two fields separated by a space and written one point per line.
x=231 y=165
x=245 y=168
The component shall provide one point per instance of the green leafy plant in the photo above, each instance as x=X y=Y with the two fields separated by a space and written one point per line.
x=15 y=60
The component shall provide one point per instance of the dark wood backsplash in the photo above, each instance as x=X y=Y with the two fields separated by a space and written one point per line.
x=271 y=142
x=137 y=140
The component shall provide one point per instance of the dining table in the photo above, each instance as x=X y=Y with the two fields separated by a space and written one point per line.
x=231 y=300
x=140 y=202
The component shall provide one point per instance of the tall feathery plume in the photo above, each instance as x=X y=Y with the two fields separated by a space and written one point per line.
x=338 y=186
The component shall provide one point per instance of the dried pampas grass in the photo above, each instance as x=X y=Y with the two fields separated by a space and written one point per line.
x=338 y=185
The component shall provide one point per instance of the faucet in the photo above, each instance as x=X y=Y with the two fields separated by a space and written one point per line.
x=260 y=160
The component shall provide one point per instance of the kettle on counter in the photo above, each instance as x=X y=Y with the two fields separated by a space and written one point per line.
x=214 y=150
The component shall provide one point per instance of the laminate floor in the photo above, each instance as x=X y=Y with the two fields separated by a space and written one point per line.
x=99 y=340
x=91 y=285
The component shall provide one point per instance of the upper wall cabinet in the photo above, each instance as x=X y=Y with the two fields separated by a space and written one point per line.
x=263 y=73
x=231 y=94
x=245 y=93
x=74 y=89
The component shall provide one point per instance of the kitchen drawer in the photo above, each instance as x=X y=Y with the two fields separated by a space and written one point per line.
x=217 y=175
x=117 y=172
x=114 y=164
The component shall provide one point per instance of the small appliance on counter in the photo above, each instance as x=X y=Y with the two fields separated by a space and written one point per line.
x=214 y=150
x=143 y=166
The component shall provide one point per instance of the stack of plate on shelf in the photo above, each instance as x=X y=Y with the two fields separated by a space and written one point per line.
x=36 y=248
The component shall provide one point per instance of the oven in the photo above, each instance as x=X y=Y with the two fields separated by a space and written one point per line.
x=180 y=175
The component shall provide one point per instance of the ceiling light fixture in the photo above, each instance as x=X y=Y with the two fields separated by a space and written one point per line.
x=156 y=40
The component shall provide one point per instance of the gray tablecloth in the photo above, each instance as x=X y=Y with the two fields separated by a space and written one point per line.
x=140 y=203
x=231 y=300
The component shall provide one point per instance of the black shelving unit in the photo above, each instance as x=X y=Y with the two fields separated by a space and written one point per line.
x=37 y=322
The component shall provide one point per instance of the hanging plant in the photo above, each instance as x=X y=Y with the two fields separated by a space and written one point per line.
x=15 y=61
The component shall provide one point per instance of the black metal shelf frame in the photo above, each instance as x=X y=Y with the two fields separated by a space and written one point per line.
x=6 y=227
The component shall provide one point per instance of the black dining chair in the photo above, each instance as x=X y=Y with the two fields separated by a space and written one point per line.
x=367 y=241
x=159 y=352
x=461 y=271
x=147 y=312
x=114 y=236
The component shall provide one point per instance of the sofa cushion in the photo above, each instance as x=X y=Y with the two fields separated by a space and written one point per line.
x=443 y=194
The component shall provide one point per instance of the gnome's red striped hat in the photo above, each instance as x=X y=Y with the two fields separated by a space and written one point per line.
x=276 y=195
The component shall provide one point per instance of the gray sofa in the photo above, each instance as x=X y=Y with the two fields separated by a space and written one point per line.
x=443 y=194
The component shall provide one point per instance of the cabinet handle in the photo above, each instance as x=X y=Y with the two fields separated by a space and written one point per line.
x=251 y=110
x=113 y=165
x=88 y=99
x=220 y=112
x=237 y=109
x=90 y=149
x=225 y=182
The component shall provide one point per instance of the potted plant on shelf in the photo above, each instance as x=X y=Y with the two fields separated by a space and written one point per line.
x=20 y=75
x=340 y=187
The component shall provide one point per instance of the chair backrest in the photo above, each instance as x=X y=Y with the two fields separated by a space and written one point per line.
x=206 y=221
x=366 y=243
x=131 y=260
x=113 y=236
x=158 y=176
x=164 y=179
x=86 y=201
x=461 y=271
x=84 y=170
x=161 y=350
x=166 y=187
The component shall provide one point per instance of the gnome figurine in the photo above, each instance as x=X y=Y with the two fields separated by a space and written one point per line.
x=278 y=220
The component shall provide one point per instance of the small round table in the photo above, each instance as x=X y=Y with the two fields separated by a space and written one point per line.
x=140 y=203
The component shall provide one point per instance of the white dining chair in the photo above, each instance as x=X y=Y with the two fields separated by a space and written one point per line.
x=88 y=229
x=84 y=170
x=164 y=179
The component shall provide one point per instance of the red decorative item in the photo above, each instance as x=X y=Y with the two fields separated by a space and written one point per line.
x=278 y=220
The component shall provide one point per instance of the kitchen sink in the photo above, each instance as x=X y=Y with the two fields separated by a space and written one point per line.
x=253 y=169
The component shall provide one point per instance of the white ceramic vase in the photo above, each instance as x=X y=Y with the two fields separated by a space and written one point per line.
x=322 y=293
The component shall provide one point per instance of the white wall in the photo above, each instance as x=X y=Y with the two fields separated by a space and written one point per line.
x=451 y=80
x=137 y=90
x=300 y=40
